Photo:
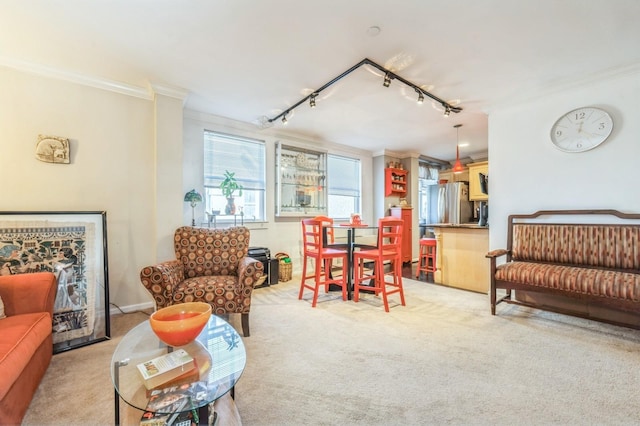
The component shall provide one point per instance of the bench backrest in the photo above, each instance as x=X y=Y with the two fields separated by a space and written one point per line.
x=614 y=246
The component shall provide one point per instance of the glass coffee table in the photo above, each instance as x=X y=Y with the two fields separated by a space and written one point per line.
x=218 y=351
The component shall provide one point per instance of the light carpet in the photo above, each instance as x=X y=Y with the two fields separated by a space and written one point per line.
x=442 y=359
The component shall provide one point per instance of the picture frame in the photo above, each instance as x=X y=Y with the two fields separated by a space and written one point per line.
x=72 y=245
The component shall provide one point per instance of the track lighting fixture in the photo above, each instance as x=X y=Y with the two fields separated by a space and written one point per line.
x=388 y=76
x=387 y=80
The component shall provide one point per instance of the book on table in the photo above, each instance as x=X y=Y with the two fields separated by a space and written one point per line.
x=167 y=367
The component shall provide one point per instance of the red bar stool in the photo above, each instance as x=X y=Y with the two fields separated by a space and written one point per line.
x=427 y=258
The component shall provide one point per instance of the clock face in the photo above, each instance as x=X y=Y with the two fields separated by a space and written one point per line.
x=581 y=129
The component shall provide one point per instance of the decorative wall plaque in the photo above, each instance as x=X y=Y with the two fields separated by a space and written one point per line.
x=52 y=149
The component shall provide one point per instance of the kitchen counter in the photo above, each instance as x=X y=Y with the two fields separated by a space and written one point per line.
x=460 y=256
x=473 y=225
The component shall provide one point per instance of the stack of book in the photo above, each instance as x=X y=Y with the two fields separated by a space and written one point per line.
x=163 y=369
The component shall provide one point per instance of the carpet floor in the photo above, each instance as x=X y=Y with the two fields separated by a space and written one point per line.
x=441 y=359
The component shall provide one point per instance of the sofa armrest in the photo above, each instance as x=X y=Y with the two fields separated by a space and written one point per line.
x=250 y=271
x=161 y=279
x=28 y=293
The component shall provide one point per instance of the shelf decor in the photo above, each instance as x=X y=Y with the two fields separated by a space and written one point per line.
x=300 y=182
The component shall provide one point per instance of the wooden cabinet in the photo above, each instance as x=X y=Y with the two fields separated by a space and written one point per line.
x=460 y=258
x=475 y=191
x=406 y=214
x=449 y=176
x=395 y=182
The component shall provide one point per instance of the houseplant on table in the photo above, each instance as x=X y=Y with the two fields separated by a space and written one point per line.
x=228 y=187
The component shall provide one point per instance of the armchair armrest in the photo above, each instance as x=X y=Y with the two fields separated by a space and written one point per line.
x=160 y=280
x=28 y=293
x=497 y=253
x=249 y=272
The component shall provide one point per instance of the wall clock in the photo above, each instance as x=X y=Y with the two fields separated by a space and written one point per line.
x=581 y=129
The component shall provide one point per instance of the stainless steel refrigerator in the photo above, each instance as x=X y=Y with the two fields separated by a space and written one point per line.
x=450 y=203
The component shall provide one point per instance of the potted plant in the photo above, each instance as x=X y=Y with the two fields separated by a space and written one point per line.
x=228 y=187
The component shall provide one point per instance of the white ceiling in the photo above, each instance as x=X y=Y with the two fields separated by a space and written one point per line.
x=246 y=59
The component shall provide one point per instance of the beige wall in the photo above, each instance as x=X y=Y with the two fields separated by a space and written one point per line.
x=527 y=173
x=112 y=145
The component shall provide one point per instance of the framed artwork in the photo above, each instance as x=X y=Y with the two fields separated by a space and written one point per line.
x=72 y=245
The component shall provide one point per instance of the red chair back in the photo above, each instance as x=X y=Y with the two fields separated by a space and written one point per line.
x=390 y=235
x=327 y=222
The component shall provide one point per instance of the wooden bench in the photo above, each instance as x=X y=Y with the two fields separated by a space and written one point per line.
x=552 y=252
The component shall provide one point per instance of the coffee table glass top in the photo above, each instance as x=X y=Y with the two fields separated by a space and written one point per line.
x=218 y=350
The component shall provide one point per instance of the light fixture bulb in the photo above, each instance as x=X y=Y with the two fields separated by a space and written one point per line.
x=387 y=80
x=420 y=97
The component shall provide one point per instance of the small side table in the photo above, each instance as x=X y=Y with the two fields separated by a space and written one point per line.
x=218 y=350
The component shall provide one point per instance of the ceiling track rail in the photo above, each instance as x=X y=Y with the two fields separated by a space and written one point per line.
x=388 y=74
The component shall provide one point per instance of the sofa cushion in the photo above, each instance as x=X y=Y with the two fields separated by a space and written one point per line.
x=21 y=336
x=588 y=281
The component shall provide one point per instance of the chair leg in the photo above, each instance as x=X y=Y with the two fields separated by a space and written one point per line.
x=382 y=284
x=303 y=278
x=245 y=324
x=317 y=286
x=344 y=279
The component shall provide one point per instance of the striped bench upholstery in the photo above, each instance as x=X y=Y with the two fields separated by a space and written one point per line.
x=596 y=262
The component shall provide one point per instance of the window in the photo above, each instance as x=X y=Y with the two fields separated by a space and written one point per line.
x=427 y=176
x=343 y=186
x=246 y=158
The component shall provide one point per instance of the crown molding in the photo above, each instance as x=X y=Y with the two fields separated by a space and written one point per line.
x=171 y=91
x=73 y=77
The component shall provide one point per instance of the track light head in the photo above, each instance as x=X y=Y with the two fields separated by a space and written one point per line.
x=420 y=97
x=387 y=80
x=284 y=119
x=312 y=100
x=447 y=110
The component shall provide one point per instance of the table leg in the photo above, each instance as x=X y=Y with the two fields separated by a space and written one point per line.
x=116 y=378
x=350 y=247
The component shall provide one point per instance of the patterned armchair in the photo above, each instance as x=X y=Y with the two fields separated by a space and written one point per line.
x=211 y=266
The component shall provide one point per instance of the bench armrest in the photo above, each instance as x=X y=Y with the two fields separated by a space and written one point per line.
x=497 y=253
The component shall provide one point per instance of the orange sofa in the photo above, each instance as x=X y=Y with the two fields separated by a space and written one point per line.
x=26 y=342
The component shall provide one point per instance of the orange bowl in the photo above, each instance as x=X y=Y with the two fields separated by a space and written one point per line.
x=177 y=325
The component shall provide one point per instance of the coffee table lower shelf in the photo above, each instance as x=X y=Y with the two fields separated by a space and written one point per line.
x=225 y=407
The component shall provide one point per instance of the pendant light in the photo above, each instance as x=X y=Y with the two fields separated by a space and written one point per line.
x=458 y=167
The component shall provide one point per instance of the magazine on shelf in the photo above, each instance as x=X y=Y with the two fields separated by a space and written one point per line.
x=174 y=405
x=164 y=368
